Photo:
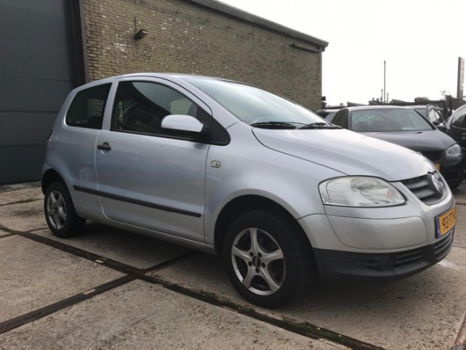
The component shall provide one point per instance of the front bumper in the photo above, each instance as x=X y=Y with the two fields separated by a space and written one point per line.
x=334 y=264
x=453 y=169
x=379 y=242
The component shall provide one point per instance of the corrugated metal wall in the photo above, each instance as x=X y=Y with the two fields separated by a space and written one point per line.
x=36 y=73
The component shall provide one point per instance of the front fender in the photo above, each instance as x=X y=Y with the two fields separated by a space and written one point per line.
x=248 y=168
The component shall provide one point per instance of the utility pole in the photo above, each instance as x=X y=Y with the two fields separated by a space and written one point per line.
x=384 y=81
x=460 y=85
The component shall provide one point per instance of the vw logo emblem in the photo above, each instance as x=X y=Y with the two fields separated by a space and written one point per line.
x=435 y=184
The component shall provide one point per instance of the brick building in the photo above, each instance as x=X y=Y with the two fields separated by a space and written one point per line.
x=63 y=43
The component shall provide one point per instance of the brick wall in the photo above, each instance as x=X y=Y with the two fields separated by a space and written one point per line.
x=187 y=38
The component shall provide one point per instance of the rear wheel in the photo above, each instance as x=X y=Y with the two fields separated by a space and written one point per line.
x=266 y=260
x=59 y=211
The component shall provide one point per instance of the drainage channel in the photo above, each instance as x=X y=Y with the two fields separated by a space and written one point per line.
x=52 y=308
x=302 y=328
x=131 y=274
x=22 y=201
x=10 y=231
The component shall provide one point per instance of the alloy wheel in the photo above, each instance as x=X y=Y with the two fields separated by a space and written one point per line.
x=258 y=261
x=56 y=210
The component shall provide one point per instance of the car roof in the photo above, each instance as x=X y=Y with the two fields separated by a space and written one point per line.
x=151 y=75
x=365 y=108
x=460 y=109
x=328 y=110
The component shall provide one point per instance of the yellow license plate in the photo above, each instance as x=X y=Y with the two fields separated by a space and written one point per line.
x=446 y=222
x=437 y=166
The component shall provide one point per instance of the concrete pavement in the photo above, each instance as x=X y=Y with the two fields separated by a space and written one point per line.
x=58 y=293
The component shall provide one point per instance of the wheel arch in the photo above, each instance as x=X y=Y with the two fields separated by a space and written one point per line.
x=245 y=203
x=50 y=176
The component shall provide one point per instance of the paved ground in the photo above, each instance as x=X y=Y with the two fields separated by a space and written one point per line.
x=112 y=289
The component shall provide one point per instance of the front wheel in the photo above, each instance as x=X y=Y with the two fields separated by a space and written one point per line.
x=266 y=259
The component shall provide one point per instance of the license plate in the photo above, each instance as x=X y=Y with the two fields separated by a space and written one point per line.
x=446 y=222
x=437 y=166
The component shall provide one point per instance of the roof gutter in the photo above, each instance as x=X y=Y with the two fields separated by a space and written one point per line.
x=259 y=21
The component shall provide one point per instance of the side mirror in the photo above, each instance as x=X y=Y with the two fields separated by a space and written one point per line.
x=181 y=122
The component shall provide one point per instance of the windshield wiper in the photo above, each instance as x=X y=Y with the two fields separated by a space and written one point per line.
x=273 y=125
x=320 y=125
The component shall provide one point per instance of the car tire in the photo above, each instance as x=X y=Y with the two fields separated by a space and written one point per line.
x=273 y=270
x=59 y=211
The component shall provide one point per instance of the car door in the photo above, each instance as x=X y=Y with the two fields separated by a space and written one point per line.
x=341 y=118
x=74 y=142
x=458 y=126
x=149 y=176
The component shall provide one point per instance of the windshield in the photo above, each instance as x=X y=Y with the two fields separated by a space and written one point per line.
x=252 y=105
x=388 y=120
x=422 y=110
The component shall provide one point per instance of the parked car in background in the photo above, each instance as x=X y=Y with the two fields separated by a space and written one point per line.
x=327 y=113
x=233 y=170
x=406 y=127
x=456 y=126
x=433 y=114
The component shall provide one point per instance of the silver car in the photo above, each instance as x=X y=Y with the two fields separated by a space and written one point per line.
x=234 y=170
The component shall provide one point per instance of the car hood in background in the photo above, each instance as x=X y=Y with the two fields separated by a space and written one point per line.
x=421 y=141
x=348 y=152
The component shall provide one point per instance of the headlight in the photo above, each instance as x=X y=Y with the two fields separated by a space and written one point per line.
x=359 y=191
x=453 y=151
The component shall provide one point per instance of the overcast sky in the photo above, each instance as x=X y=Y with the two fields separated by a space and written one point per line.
x=420 y=40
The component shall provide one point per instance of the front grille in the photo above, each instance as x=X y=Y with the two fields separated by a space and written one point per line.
x=408 y=257
x=433 y=156
x=423 y=256
x=423 y=188
x=441 y=248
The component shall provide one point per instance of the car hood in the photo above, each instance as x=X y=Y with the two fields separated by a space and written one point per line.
x=420 y=141
x=347 y=152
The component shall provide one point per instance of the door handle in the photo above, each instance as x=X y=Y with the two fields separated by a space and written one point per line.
x=104 y=147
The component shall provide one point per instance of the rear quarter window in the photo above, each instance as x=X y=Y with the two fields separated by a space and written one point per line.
x=87 y=108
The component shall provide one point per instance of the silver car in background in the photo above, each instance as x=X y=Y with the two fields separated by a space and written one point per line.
x=234 y=170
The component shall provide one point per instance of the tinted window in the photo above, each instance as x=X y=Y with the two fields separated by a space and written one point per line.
x=341 y=119
x=388 y=120
x=460 y=119
x=141 y=106
x=252 y=105
x=87 y=108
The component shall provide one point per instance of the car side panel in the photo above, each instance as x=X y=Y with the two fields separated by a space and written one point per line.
x=71 y=153
x=245 y=167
